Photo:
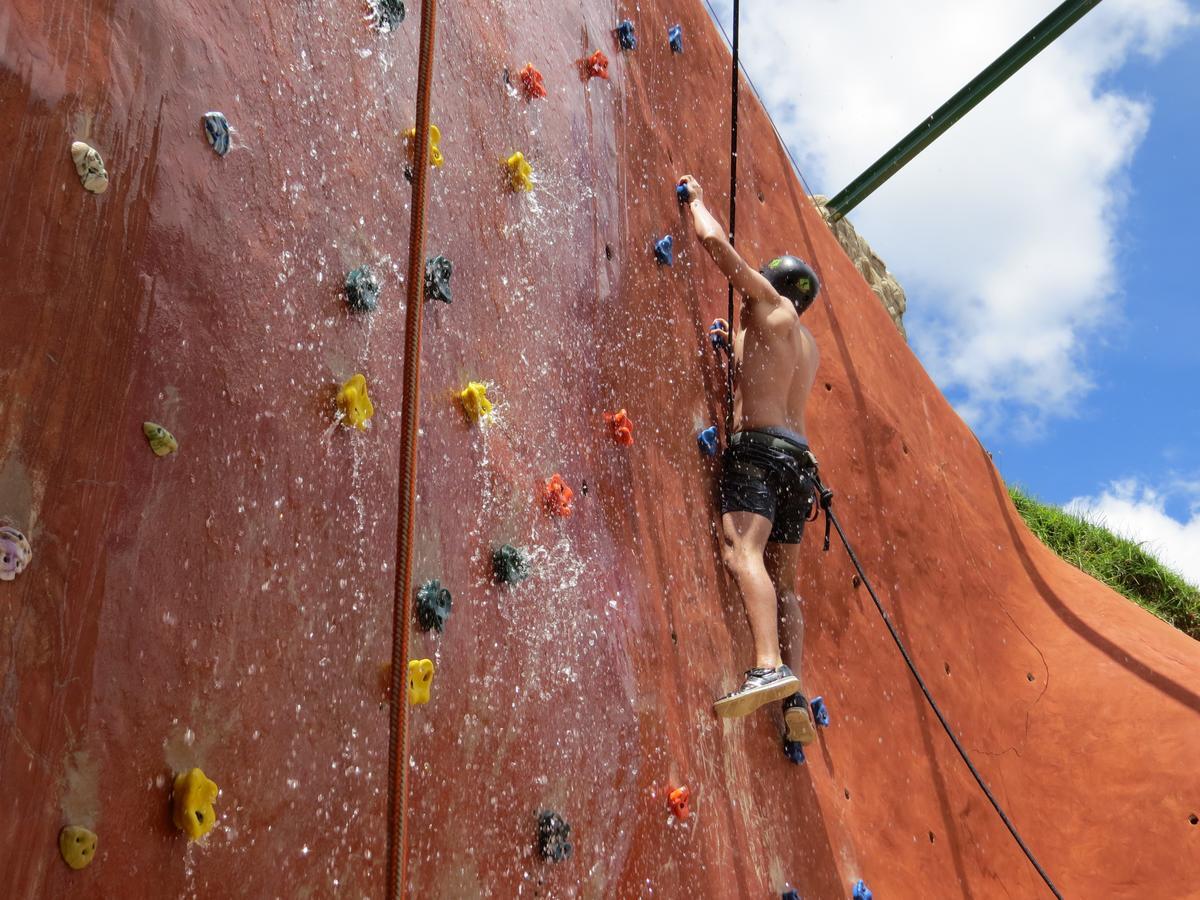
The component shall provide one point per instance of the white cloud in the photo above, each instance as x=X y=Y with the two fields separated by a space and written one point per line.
x=1004 y=231
x=1138 y=512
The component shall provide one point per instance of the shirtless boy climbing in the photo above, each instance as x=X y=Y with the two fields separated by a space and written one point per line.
x=765 y=498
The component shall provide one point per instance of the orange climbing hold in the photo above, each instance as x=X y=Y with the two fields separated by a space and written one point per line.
x=596 y=65
x=531 y=82
x=556 y=496
x=621 y=427
x=678 y=801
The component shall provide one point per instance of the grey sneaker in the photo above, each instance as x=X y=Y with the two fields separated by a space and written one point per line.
x=797 y=720
x=761 y=686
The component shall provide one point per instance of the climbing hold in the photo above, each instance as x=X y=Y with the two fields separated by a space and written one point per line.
x=420 y=678
x=625 y=35
x=162 y=442
x=716 y=334
x=664 y=250
x=511 y=564
x=675 y=38
x=90 y=167
x=707 y=439
x=621 y=427
x=820 y=712
x=77 y=846
x=682 y=193
x=861 y=891
x=793 y=750
x=15 y=553
x=433 y=605
x=386 y=14
x=193 y=804
x=354 y=404
x=596 y=65
x=438 y=270
x=475 y=402
x=678 y=801
x=556 y=496
x=789 y=894
x=553 y=834
x=520 y=173
x=435 y=153
x=216 y=128
x=362 y=290
x=531 y=82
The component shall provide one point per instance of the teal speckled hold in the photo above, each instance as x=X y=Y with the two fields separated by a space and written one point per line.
x=362 y=290
x=511 y=564
x=438 y=270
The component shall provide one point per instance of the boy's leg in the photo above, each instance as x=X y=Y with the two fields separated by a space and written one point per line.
x=746 y=536
x=782 y=563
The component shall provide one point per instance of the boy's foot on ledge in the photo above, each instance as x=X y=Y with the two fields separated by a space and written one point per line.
x=761 y=686
x=797 y=720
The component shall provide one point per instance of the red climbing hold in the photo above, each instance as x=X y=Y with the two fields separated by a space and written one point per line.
x=531 y=82
x=621 y=426
x=596 y=65
x=678 y=801
x=556 y=496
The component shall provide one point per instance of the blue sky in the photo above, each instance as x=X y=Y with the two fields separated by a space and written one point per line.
x=1046 y=242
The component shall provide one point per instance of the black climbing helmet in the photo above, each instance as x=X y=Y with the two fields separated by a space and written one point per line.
x=794 y=279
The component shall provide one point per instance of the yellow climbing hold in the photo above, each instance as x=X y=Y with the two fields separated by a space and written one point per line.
x=420 y=678
x=475 y=402
x=520 y=173
x=435 y=137
x=352 y=400
x=193 y=804
x=162 y=442
x=77 y=846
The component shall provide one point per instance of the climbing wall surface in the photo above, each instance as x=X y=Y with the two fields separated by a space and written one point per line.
x=228 y=606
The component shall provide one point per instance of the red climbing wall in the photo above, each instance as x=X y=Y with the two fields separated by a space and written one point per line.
x=229 y=606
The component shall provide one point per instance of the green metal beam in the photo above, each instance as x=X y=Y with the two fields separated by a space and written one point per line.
x=1007 y=64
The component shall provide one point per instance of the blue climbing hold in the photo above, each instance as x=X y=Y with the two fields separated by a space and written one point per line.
x=820 y=712
x=716 y=335
x=675 y=38
x=861 y=891
x=625 y=35
x=707 y=439
x=216 y=129
x=789 y=894
x=681 y=193
x=664 y=251
x=794 y=750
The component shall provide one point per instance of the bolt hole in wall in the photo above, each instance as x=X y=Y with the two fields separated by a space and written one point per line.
x=761 y=198
x=1194 y=819
x=931 y=837
x=947 y=668
x=1029 y=675
x=608 y=254
x=828 y=386
x=847 y=792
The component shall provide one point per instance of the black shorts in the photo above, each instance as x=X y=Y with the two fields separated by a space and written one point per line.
x=767 y=479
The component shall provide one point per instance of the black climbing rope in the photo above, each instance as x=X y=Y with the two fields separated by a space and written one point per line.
x=733 y=155
x=825 y=499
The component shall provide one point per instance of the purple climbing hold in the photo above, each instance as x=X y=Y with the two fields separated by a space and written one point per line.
x=15 y=553
x=707 y=439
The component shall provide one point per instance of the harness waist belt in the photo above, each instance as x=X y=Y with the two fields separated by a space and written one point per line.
x=769 y=440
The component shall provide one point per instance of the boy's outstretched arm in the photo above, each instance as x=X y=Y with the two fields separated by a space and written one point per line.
x=746 y=280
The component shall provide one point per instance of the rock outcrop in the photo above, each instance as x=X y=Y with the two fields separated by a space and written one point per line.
x=873 y=269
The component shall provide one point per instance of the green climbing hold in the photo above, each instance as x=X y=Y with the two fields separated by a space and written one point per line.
x=511 y=564
x=362 y=290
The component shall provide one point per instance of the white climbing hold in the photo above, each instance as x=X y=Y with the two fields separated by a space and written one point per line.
x=90 y=167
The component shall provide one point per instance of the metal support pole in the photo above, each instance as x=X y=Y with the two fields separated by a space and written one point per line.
x=1006 y=65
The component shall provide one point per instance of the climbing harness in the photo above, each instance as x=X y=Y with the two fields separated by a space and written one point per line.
x=825 y=504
